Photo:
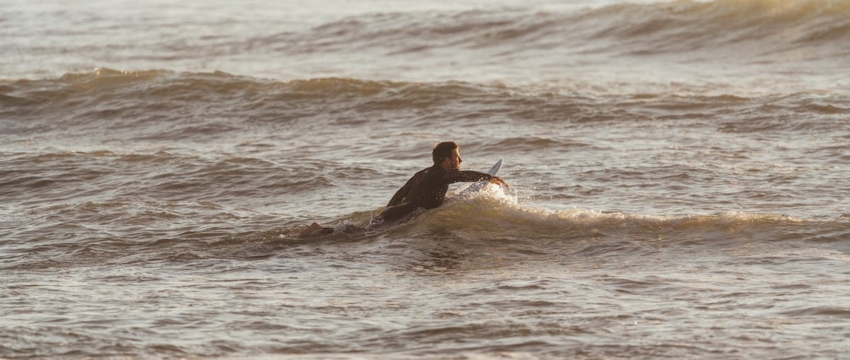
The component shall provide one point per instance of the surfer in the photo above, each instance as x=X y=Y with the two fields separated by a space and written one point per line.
x=427 y=188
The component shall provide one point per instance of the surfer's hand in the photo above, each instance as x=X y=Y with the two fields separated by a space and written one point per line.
x=498 y=181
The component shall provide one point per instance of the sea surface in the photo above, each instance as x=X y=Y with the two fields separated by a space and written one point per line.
x=679 y=176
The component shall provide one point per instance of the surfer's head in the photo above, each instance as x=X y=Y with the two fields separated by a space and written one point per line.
x=447 y=155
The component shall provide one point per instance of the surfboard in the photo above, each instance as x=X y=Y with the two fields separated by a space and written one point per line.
x=495 y=169
x=477 y=186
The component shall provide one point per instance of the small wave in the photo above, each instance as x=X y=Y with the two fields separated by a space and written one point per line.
x=496 y=214
x=720 y=29
x=152 y=94
x=688 y=25
x=532 y=143
x=820 y=311
x=632 y=29
x=115 y=91
x=164 y=109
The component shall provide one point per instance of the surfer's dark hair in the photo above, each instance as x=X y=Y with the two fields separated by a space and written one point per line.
x=442 y=151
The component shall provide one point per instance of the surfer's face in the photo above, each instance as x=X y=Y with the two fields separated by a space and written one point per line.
x=453 y=162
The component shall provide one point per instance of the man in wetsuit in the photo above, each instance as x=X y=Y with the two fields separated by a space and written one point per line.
x=427 y=188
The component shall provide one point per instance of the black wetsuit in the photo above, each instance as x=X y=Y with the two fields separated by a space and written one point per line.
x=426 y=189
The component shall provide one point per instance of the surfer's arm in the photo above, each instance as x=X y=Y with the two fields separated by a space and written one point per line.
x=451 y=177
x=470 y=176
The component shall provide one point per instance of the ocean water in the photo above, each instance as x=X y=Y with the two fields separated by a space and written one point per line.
x=679 y=176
